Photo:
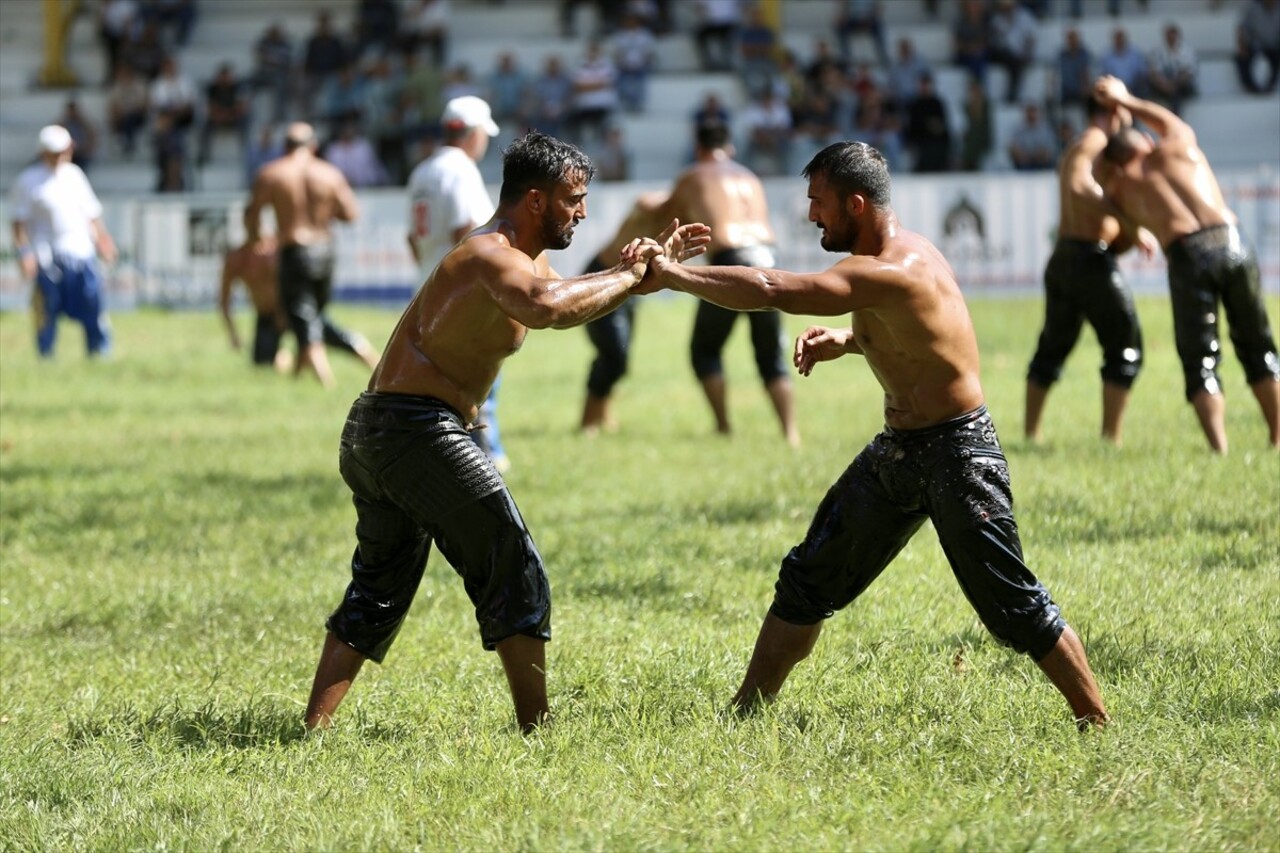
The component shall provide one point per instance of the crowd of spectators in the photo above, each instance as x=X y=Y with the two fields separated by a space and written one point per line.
x=375 y=83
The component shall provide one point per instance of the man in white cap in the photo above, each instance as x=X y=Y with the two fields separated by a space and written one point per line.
x=58 y=235
x=447 y=199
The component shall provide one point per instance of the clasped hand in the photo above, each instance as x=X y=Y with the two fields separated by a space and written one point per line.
x=677 y=243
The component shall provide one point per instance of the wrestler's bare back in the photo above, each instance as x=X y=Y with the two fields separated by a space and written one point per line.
x=918 y=340
x=307 y=194
x=451 y=342
x=1177 y=193
x=729 y=198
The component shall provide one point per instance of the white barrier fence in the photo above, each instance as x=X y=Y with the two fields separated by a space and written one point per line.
x=997 y=231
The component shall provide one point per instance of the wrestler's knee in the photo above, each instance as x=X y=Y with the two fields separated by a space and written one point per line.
x=1121 y=367
x=1034 y=631
x=706 y=361
x=1261 y=365
x=800 y=597
x=1044 y=373
x=1200 y=376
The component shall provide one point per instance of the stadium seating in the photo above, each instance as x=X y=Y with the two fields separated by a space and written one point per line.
x=1234 y=128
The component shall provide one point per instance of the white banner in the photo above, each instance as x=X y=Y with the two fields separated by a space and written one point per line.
x=997 y=231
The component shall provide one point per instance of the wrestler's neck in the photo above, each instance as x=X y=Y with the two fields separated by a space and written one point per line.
x=877 y=229
x=520 y=231
x=715 y=155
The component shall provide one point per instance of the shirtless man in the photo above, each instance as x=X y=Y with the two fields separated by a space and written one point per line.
x=938 y=456
x=255 y=266
x=1083 y=282
x=415 y=473
x=1169 y=188
x=723 y=194
x=307 y=194
x=611 y=334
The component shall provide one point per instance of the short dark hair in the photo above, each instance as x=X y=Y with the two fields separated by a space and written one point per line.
x=1120 y=146
x=1094 y=107
x=712 y=134
x=853 y=167
x=538 y=161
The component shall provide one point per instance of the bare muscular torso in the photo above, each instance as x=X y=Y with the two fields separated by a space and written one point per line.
x=307 y=194
x=919 y=340
x=1080 y=217
x=728 y=197
x=1173 y=193
x=453 y=338
x=255 y=265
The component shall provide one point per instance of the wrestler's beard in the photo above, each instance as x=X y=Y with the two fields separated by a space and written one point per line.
x=555 y=236
x=840 y=236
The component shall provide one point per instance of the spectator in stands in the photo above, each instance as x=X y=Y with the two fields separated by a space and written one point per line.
x=273 y=69
x=83 y=134
x=1075 y=70
x=145 y=51
x=552 y=98
x=352 y=154
x=178 y=15
x=606 y=14
x=816 y=124
x=1173 y=71
x=767 y=124
x=1258 y=35
x=613 y=159
x=927 y=133
x=969 y=38
x=979 y=126
x=427 y=23
x=634 y=52
x=715 y=32
x=382 y=118
x=127 y=108
x=377 y=25
x=507 y=90
x=1032 y=146
x=904 y=75
x=595 y=96
x=458 y=83
x=267 y=147
x=342 y=99
x=824 y=59
x=877 y=125
x=420 y=98
x=1125 y=62
x=1113 y=7
x=172 y=98
x=225 y=108
x=854 y=17
x=326 y=53
x=116 y=19
x=864 y=80
x=757 y=51
x=790 y=84
x=1012 y=44
x=711 y=110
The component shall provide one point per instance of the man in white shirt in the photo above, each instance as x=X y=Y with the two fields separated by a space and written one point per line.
x=58 y=235
x=447 y=199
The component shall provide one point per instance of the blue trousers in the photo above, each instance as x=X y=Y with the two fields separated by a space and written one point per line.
x=72 y=287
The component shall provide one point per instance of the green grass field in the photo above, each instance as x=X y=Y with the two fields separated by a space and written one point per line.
x=174 y=531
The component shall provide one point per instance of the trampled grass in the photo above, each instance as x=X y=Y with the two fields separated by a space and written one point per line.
x=174 y=531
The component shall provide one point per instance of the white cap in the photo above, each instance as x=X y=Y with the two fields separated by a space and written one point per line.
x=469 y=111
x=54 y=139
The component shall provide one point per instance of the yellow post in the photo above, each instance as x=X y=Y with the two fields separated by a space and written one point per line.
x=58 y=17
x=772 y=10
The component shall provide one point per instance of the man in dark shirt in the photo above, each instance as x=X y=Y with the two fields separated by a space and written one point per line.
x=225 y=108
x=927 y=133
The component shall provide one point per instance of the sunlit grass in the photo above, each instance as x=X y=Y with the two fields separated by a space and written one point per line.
x=173 y=532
